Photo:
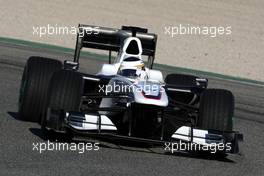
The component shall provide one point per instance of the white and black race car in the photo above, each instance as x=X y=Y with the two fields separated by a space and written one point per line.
x=126 y=99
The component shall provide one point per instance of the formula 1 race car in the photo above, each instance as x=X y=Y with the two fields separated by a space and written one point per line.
x=126 y=99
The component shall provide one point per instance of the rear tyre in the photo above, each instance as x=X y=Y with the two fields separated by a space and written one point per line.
x=65 y=91
x=34 y=85
x=216 y=110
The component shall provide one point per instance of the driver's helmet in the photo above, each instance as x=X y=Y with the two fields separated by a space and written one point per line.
x=132 y=69
x=133 y=62
x=128 y=72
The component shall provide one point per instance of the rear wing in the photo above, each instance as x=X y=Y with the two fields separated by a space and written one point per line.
x=111 y=39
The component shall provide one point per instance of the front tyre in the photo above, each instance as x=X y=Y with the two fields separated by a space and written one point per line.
x=34 y=85
x=216 y=110
x=65 y=91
